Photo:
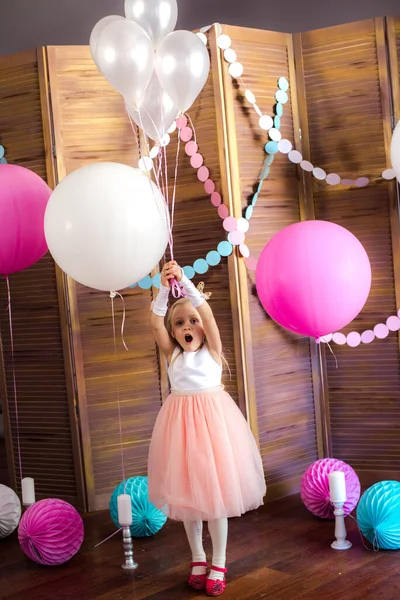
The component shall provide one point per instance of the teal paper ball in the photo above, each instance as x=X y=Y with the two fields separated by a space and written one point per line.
x=378 y=515
x=146 y=518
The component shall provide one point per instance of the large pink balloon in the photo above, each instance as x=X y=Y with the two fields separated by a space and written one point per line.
x=313 y=277
x=23 y=200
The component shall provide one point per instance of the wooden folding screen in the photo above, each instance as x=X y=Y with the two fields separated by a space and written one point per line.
x=346 y=125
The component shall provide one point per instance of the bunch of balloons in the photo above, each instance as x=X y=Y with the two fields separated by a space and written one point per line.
x=158 y=71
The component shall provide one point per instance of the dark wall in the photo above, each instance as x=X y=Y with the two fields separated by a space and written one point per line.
x=26 y=24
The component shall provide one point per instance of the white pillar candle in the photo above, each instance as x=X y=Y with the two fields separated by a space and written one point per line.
x=124 y=510
x=337 y=486
x=28 y=491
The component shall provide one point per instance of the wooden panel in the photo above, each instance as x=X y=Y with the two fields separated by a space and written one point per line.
x=282 y=393
x=393 y=36
x=348 y=113
x=44 y=416
x=91 y=126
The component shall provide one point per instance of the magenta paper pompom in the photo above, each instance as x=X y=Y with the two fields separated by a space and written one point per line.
x=314 y=487
x=50 y=532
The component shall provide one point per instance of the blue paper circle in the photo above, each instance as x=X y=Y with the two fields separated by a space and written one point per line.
x=200 y=266
x=145 y=283
x=225 y=248
x=279 y=109
x=277 y=122
x=213 y=258
x=2 y=151
x=249 y=212
x=254 y=199
x=3 y=161
x=133 y=285
x=189 y=272
x=378 y=515
x=157 y=280
x=264 y=173
x=283 y=84
x=281 y=96
x=146 y=518
x=269 y=160
x=271 y=147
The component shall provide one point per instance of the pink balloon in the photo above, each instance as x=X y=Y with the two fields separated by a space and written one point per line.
x=313 y=278
x=23 y=200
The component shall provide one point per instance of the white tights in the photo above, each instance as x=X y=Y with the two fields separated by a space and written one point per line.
x=219 y=535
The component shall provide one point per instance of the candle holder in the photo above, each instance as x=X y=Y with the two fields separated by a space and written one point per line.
x=340 y=528
x=130 y=563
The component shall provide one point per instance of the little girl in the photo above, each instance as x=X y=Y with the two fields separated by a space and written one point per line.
x=204 y=464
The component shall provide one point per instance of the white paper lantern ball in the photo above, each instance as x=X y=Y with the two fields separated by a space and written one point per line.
x=10 y=511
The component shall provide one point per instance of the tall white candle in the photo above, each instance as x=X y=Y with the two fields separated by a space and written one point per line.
x=337 y=486
x=28 y=491
x=124 y=510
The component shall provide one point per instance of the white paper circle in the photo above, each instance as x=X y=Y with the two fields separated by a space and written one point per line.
x=306 y=165
x=295 y=157
x=230 y=55
x=165 y=140
x=389 y=174
x=275 y=135
x=393 y=323
x=333 y=179
x=172 y=128
x=244 y=250
x=353 y=339
x=242 y=225
x=236 y=70
x=257 y=109
x=285 y=146
x=203 y=37
x=381 y=331
x=250 y=96
x=266 y=122
x=339 y=339
x=224 y=41
x=154 y=151
x=367 y=336
x=319 y=173
x=145 y=164
x=326 y=338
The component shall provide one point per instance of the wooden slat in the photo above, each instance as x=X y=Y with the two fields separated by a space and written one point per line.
x=348 y=114
x=283 y=394
x=44 y=416
x=91 y=126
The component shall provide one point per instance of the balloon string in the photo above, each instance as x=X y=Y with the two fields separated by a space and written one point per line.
x=14 y=377
x=333 y=354
x=374 y=548
x=192 y=126
x=112 y=295
x=176 y=289
x=109 y=537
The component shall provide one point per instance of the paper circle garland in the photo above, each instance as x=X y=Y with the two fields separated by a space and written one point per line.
x=146 y=518
x=314 y=487
x=10 y=511
x=51 y=532
x=378 y=515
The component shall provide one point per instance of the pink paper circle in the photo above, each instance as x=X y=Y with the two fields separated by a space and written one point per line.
x=333 y=179
x=244 y=251
x=319 y=173
x=381 y=331
x=186 y=134
x=306 y=165
x=393 y=323
x=216 y=199
x=196 y=161
x=209 y=186
x=367 y=336
x=251 y=263
x=353 y=339
x=236 y=237
x=191 y=148
x=229 y=224
x=339 y=339
x=203 y=173
x=361 y=182
x=295 y=157
x=223 y=211
x=181 y=122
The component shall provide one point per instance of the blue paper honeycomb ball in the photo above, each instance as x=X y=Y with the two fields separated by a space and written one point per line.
x=146 y=518
x=378 y=515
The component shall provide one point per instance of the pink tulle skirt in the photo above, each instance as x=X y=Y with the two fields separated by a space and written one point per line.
x=204 y=463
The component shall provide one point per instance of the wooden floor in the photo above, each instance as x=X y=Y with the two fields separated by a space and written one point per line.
x=280 y=552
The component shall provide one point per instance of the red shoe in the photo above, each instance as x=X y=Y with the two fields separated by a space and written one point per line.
x=198 y=582
x=216 y=587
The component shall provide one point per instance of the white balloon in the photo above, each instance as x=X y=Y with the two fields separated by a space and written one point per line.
x=106 y=225
x=157 y=17
x=10 y=511
x=395 y=151
x=97 y=30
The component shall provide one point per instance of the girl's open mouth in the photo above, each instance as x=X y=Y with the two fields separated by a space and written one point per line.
x=188 y=338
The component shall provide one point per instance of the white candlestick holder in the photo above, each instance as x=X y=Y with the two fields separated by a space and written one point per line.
x=340 y=528
x=130 y=563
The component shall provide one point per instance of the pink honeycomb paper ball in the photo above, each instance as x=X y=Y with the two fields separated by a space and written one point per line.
x=314 y=487
x=50 y=532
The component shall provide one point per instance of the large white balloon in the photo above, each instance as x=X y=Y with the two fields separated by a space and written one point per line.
x=395 y=151
x=157 y=17
x=10 y=511
x=106 y=225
